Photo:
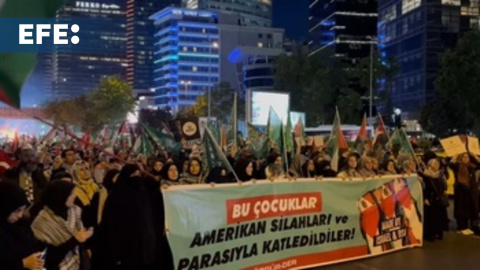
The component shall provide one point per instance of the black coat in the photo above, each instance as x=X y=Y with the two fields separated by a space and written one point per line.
x=465 y=197
x=38 y=178
x=126 y=238
x=16 y=243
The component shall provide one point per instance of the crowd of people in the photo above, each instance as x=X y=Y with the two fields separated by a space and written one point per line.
x=87 y=209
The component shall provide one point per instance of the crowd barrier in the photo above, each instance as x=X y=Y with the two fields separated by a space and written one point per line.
x=265 y=225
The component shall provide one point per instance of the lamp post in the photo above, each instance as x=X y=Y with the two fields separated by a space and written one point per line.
x=214 y=45
x=373 y=41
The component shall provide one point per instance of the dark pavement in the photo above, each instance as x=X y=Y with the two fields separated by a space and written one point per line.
x=454 y=252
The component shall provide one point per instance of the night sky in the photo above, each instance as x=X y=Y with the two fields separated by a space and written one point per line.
x=292 y=15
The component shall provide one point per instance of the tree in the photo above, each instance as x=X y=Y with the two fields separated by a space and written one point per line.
x=222 y=97
x=456 y=110
x=383 y=75
x=106 y=105
x=316 y=85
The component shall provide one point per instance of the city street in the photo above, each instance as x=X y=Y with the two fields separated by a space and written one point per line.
x=455 y=252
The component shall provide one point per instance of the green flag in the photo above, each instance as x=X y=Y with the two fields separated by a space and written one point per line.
x=213 y=155
x=289 y=142
x=336 y=142
x=258 y=142
x=232 y=133
x=143 y=146
x=16 y=67
x=274 y=130
x=162 y=139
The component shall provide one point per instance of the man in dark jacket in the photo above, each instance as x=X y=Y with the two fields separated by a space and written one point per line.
x=27 y=175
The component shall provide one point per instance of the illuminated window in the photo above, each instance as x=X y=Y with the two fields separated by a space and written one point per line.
x=195 y=49
x=195 y=69
x=185 y=49
x=260 y=44
x=204 y=31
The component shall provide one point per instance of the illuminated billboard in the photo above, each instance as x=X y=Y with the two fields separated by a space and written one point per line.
x=261 y=103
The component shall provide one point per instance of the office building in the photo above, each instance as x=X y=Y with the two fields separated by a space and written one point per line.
x=195 y=50
x=77 y=69
x=252 y=12
x=415 y=33
x=140 y=39
x=347 y=28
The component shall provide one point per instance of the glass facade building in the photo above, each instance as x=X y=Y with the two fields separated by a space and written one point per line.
x=186 y=56
x=252 y=12
x=140 y=40
x=348 y=28
x=415 y=33
x=75 y=73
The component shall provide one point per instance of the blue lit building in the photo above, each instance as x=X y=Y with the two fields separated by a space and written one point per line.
x=347 y=28
x=186 y=56
x=415 y=33
x=140 y=39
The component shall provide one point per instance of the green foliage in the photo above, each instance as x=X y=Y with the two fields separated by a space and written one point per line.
x=316 y=85
x=222 y=98
x=456 y=110
x=106 y=105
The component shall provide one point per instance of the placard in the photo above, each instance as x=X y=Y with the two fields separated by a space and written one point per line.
x=453 y=146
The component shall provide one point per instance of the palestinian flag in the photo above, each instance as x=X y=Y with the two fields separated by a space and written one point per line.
x=213 y=156
x=381 y=136
x=16 y=67
x=336 y=142
x=288 y=137
x=362 y=136
x=6 y=162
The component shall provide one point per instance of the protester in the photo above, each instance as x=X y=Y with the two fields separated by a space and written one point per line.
x=388 y=168
x=244 y=169
x=350 y=169
x=465 y=193
x=366 y=168
x=18 y=248
x=193 y=173
x=28 y=175
x=274 y=169
x=69 y=157
x=435 y=201
x=126 y=236
x=170 y=175
x=59 y=226
x=87 y=193
x=157 y=169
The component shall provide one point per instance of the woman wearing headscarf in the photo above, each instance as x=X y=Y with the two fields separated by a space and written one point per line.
x=170 y=175
x=366 y=167
x=244 y=169
x=18 y=248
x=434 y=205
x=193 y=173
x=351 y=168
x=220 y=175
x=388 y=168
x=126 y=237
x=156 y=170
x=465 y=193
x=308 y=169
x=274 y=169
x=59 y=226
x=87 y=192
x=323 y=169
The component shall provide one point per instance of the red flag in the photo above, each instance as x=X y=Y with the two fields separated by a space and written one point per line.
x=86 y=139
x=362 y=133
x=15 y=143
x=5 y=162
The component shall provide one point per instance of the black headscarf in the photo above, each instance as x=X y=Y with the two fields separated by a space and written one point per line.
x=125 y=175
x=108 y=179
x=199 y=163
x=12 y=197
x=215 y=176
x=323 y=168
x=55 y=197
x=164 y=172
x=240 y=169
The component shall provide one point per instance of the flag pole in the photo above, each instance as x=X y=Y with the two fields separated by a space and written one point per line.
x=219 y=150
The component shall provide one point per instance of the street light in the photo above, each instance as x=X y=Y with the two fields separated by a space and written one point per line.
x=373 y=41
x=186 y=83
x=214 y=45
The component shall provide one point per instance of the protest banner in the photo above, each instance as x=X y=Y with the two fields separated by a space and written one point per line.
x=453 y=146
x=291 y=224
x=473 y=146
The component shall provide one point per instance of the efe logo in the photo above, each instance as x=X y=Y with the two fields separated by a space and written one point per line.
x=43 y=30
